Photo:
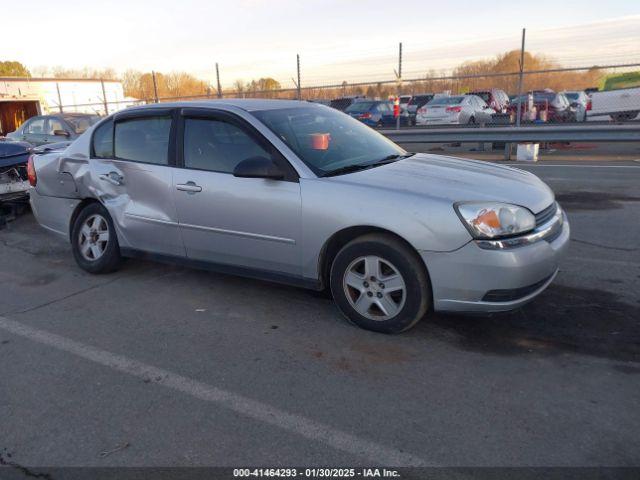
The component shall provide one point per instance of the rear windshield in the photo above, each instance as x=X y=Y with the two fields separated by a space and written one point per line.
x=446 y=101
x=360 y=107
x=486 y=96
x=420 y=99
x=572 y=95
x=405 y=99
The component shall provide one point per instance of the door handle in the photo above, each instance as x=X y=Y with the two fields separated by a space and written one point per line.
x=189 y=187
x=114 y=178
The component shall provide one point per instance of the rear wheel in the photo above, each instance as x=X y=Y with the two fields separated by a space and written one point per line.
x=624 y=117
x=93 y=240
x=380 y=284
x=472 y=121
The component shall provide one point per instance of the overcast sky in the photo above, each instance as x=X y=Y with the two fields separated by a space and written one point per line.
x=336 y=39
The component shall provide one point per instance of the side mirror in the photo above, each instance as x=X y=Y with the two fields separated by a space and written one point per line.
x=61 y=133
x=258 y=167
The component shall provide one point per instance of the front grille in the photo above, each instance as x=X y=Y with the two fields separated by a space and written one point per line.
x=545 y=215
x=512 y=294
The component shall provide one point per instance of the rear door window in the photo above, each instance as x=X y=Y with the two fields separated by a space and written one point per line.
x=53 y=124
x=102 y=144
x=143 y=139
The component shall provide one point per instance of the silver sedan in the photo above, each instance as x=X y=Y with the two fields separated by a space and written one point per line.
x=457 y=110
x=302 y=194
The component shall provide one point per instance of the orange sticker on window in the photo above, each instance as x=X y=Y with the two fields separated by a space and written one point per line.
x=320 y=141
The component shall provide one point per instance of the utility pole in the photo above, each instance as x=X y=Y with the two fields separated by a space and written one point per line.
x=218 y=79
x=59 y=97
x=298 y=84
x=520 y=78
x=155 y=86
x=399 y=82
x=104 y=98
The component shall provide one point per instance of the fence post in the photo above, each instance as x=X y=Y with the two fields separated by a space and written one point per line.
x=104 y=98
x=155 y=86
x=519 y=112
x=298 y=66
x=218 y=79
x=59 y=97
x=399 y=77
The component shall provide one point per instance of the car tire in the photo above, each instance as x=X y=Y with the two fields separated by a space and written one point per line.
x=94 y=241
x=624 y=117
x=471 y=121
x=368 y=302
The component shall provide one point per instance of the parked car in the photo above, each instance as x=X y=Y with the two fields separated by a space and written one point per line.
x=415 y=103
x=495 y=98
x=55 y=128
x=302 y=194
x=375 y=113
x=543 y=105
x=343 y=103
x=580 y=103
x=13 y=169
x=456 y=109
x=618 y=97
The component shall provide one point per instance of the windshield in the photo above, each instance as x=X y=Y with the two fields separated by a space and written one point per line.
x=81 y=123
x=327 y=140
x=359 y=107
x=446 y=101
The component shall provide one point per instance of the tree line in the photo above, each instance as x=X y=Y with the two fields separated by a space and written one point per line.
x=468 y=76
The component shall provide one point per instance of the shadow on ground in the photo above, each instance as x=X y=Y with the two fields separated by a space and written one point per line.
x=562 y=320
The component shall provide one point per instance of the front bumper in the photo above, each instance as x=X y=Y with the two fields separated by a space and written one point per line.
x=471 y=278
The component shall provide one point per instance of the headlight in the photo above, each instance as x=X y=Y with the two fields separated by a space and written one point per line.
x=492 y=219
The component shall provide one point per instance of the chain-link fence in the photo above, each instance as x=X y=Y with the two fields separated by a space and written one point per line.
x=466 y=84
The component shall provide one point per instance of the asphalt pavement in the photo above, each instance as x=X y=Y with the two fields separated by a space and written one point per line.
x=160 y=365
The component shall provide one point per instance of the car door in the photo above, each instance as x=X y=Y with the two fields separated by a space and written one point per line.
x=132 y=164
x=251 y=223
x=33 y=131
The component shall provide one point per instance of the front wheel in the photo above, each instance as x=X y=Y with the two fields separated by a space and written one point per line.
x=93 y=240
x=380 y=284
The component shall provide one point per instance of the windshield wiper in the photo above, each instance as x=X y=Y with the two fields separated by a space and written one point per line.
x=364 y=166
x=394 y=157
x=347 y=169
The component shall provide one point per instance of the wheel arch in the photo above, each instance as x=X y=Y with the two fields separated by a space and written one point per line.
x=340 y=238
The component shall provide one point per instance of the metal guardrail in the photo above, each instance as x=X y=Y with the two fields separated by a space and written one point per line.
x=555 y=133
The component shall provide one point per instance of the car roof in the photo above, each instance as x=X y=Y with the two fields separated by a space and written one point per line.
x=247 y=104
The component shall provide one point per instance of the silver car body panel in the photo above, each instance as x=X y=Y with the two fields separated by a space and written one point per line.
x=283 y=227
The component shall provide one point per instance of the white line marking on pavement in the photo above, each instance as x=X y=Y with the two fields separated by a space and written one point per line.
x=293 y=423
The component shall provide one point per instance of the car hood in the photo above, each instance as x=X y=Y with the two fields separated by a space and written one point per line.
x=456 y=180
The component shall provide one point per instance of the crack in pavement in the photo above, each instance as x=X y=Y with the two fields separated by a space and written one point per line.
x=24 y=470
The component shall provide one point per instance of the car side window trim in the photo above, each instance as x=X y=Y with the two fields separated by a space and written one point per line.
x=122 y=117
x=290 y=174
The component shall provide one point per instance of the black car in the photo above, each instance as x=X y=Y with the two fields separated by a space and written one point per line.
x=343 y=103
x=45 y=129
